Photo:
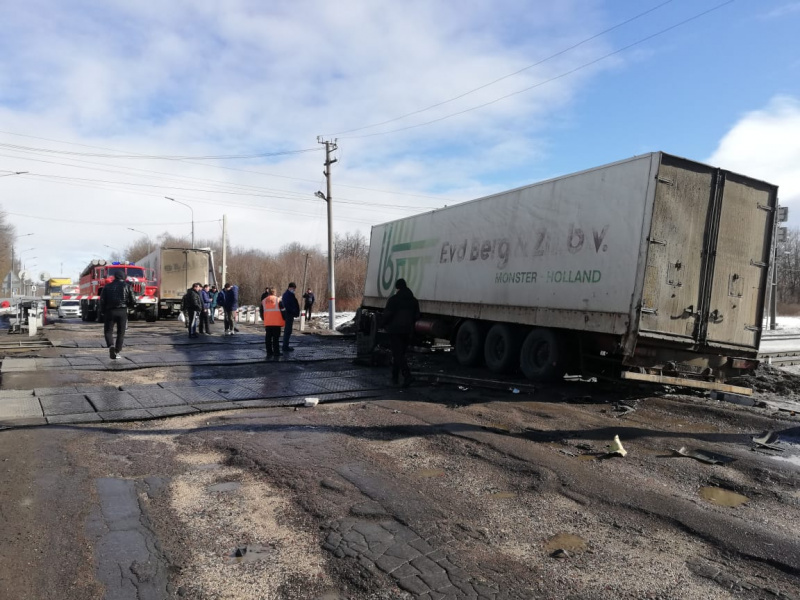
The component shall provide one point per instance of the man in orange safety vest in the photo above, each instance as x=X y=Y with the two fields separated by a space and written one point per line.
x=272 y=310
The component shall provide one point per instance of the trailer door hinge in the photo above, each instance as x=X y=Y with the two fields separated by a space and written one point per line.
x=754 y=263
x=766 y=208
x=655 y=241
x=649 y=311
x=752 y=328
x=666 y=180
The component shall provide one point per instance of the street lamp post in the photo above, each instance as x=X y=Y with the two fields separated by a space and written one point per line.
x=146 y=235
x=190 y=208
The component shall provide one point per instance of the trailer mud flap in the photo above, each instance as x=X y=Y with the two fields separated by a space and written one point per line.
x=692 y=383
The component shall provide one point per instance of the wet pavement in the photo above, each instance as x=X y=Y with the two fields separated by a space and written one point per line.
x=86 y=403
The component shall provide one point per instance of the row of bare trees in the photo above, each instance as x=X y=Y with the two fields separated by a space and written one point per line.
x=788 y=264
x=6 y=241
x=253 y=270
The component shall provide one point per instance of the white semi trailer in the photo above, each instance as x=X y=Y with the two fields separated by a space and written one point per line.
x=652 y=268
x=174 y=271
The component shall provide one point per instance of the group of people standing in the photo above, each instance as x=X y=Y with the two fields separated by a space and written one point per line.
x=200 y=303
x=281 y=312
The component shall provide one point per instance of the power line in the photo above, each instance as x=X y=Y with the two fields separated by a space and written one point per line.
x=263 y=173
x=504 y=77
x=156 y=156
x=546 y=81
x=83 y=221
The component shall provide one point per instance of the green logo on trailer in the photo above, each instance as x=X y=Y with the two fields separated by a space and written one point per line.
x=402 y=257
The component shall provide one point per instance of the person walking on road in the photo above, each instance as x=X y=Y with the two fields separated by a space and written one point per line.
x=291 y=311
x=205 y=297
x=399 y=316
x=115 y=300
x=272 y=310
x=308 y=303
x=230 y=304
x=193 y=306
x=214 y=293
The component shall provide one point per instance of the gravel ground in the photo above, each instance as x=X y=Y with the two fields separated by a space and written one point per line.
x=430 y=492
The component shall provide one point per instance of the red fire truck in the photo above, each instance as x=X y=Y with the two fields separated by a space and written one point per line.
x=99 y=273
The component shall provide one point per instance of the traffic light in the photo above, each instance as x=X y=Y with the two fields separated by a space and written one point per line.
x=783 y=234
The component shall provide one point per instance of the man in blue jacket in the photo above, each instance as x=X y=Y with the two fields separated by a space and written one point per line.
x=230 y=305
x=291 y=312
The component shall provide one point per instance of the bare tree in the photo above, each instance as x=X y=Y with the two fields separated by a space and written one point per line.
x=253 y=269
x=6 y=241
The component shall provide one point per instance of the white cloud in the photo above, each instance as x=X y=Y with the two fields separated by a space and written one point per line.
x=765 y=144
x=199 y=77
x=783 y=10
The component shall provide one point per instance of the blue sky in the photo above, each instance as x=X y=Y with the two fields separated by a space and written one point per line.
x=80 y=81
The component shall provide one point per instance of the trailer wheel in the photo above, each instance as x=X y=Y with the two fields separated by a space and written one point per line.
x=469 y=344
x=151 y=315
x=542 y=355
x=501 y=348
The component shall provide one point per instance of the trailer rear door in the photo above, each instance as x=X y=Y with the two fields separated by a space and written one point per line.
x=708 y=256
x=741 y=262
x=672 y=293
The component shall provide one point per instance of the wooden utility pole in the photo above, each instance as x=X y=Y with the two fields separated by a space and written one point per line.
x=329 y=147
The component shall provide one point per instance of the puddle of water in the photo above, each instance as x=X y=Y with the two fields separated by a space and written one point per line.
x=722 y=497
x=503 y=495
x=248 y=554
x=226 y=486
x=587 y=456
x=565 y=541
x=428 y=473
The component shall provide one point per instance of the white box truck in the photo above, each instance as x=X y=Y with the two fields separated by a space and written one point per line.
x=652 y=268
x=174 y=271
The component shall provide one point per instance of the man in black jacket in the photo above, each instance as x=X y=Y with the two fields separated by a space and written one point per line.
x=399 y=316
x=292 y=311
x=193 y=306
x=115 y=300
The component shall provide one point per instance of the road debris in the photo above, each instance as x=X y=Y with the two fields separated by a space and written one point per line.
x=769 y=440
x=615 y=448
x=623 y=409
x=710 y=458
x=310 y=402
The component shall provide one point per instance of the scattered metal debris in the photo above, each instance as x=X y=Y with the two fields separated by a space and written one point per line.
x=711 y=458
x=769 y=440
x=623 y=409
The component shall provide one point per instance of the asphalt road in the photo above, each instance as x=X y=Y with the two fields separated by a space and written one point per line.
x=437 y=491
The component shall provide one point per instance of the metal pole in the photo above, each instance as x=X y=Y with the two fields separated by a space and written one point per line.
x=303 y=312
x=773 y=299
x=190 y=208
x=224 y=250
x=305 y=273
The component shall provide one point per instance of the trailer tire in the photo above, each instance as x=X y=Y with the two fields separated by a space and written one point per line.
x=542 y=357
x=501 y=348
x=469 y=343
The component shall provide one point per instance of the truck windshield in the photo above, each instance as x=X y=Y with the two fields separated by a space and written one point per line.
x=137 y=272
